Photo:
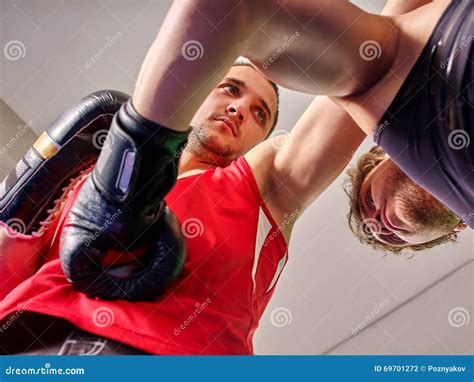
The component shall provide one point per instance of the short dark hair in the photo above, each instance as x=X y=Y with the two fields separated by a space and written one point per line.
x=241 y=61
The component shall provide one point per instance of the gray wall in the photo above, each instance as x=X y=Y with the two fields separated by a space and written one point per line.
x=335 y=295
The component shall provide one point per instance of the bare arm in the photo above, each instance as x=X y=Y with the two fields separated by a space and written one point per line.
x=324 y=58
x=293 y=171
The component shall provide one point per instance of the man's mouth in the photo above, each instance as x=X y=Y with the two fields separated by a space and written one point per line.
x=229 y=124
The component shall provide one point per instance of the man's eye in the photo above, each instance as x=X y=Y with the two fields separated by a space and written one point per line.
x=370 y=200
x=261 y=117
x=231 y=89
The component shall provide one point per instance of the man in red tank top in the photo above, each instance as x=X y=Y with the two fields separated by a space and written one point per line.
x=238 y=196
x=235 y=228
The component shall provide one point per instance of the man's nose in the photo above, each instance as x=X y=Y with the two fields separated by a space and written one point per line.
x=237 y=111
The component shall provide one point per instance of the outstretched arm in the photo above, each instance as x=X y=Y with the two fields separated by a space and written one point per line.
x=306 y=45
x=293 y=171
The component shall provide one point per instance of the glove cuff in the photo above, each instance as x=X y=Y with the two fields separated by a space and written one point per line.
x=138 y=164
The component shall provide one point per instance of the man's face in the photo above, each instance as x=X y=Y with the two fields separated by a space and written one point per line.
x=398 y=211
x=237 y=115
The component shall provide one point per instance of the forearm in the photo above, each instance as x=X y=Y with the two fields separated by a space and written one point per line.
x=325 y=139
x=324 y=58
x=196 y=45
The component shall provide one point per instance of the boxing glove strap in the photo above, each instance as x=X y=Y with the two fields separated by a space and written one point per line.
x=138 y=164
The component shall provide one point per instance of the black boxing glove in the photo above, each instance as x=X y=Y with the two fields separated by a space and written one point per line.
x=32 y=196
x=120 y=210
x=70 y=146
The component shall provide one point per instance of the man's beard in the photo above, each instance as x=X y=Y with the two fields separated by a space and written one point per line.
x=206 y=146
x=418 y=207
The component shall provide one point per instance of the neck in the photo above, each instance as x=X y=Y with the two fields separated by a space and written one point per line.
x=191 y=162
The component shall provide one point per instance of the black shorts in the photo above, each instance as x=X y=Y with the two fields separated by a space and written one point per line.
x=38 y=334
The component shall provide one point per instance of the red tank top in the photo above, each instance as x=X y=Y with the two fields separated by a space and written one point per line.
x=236 y=253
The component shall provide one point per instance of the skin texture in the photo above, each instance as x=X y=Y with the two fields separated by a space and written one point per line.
x=212 y=143
x=398 y=211
x=323 y=59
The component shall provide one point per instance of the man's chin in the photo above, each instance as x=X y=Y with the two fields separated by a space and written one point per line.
x=212 y=146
